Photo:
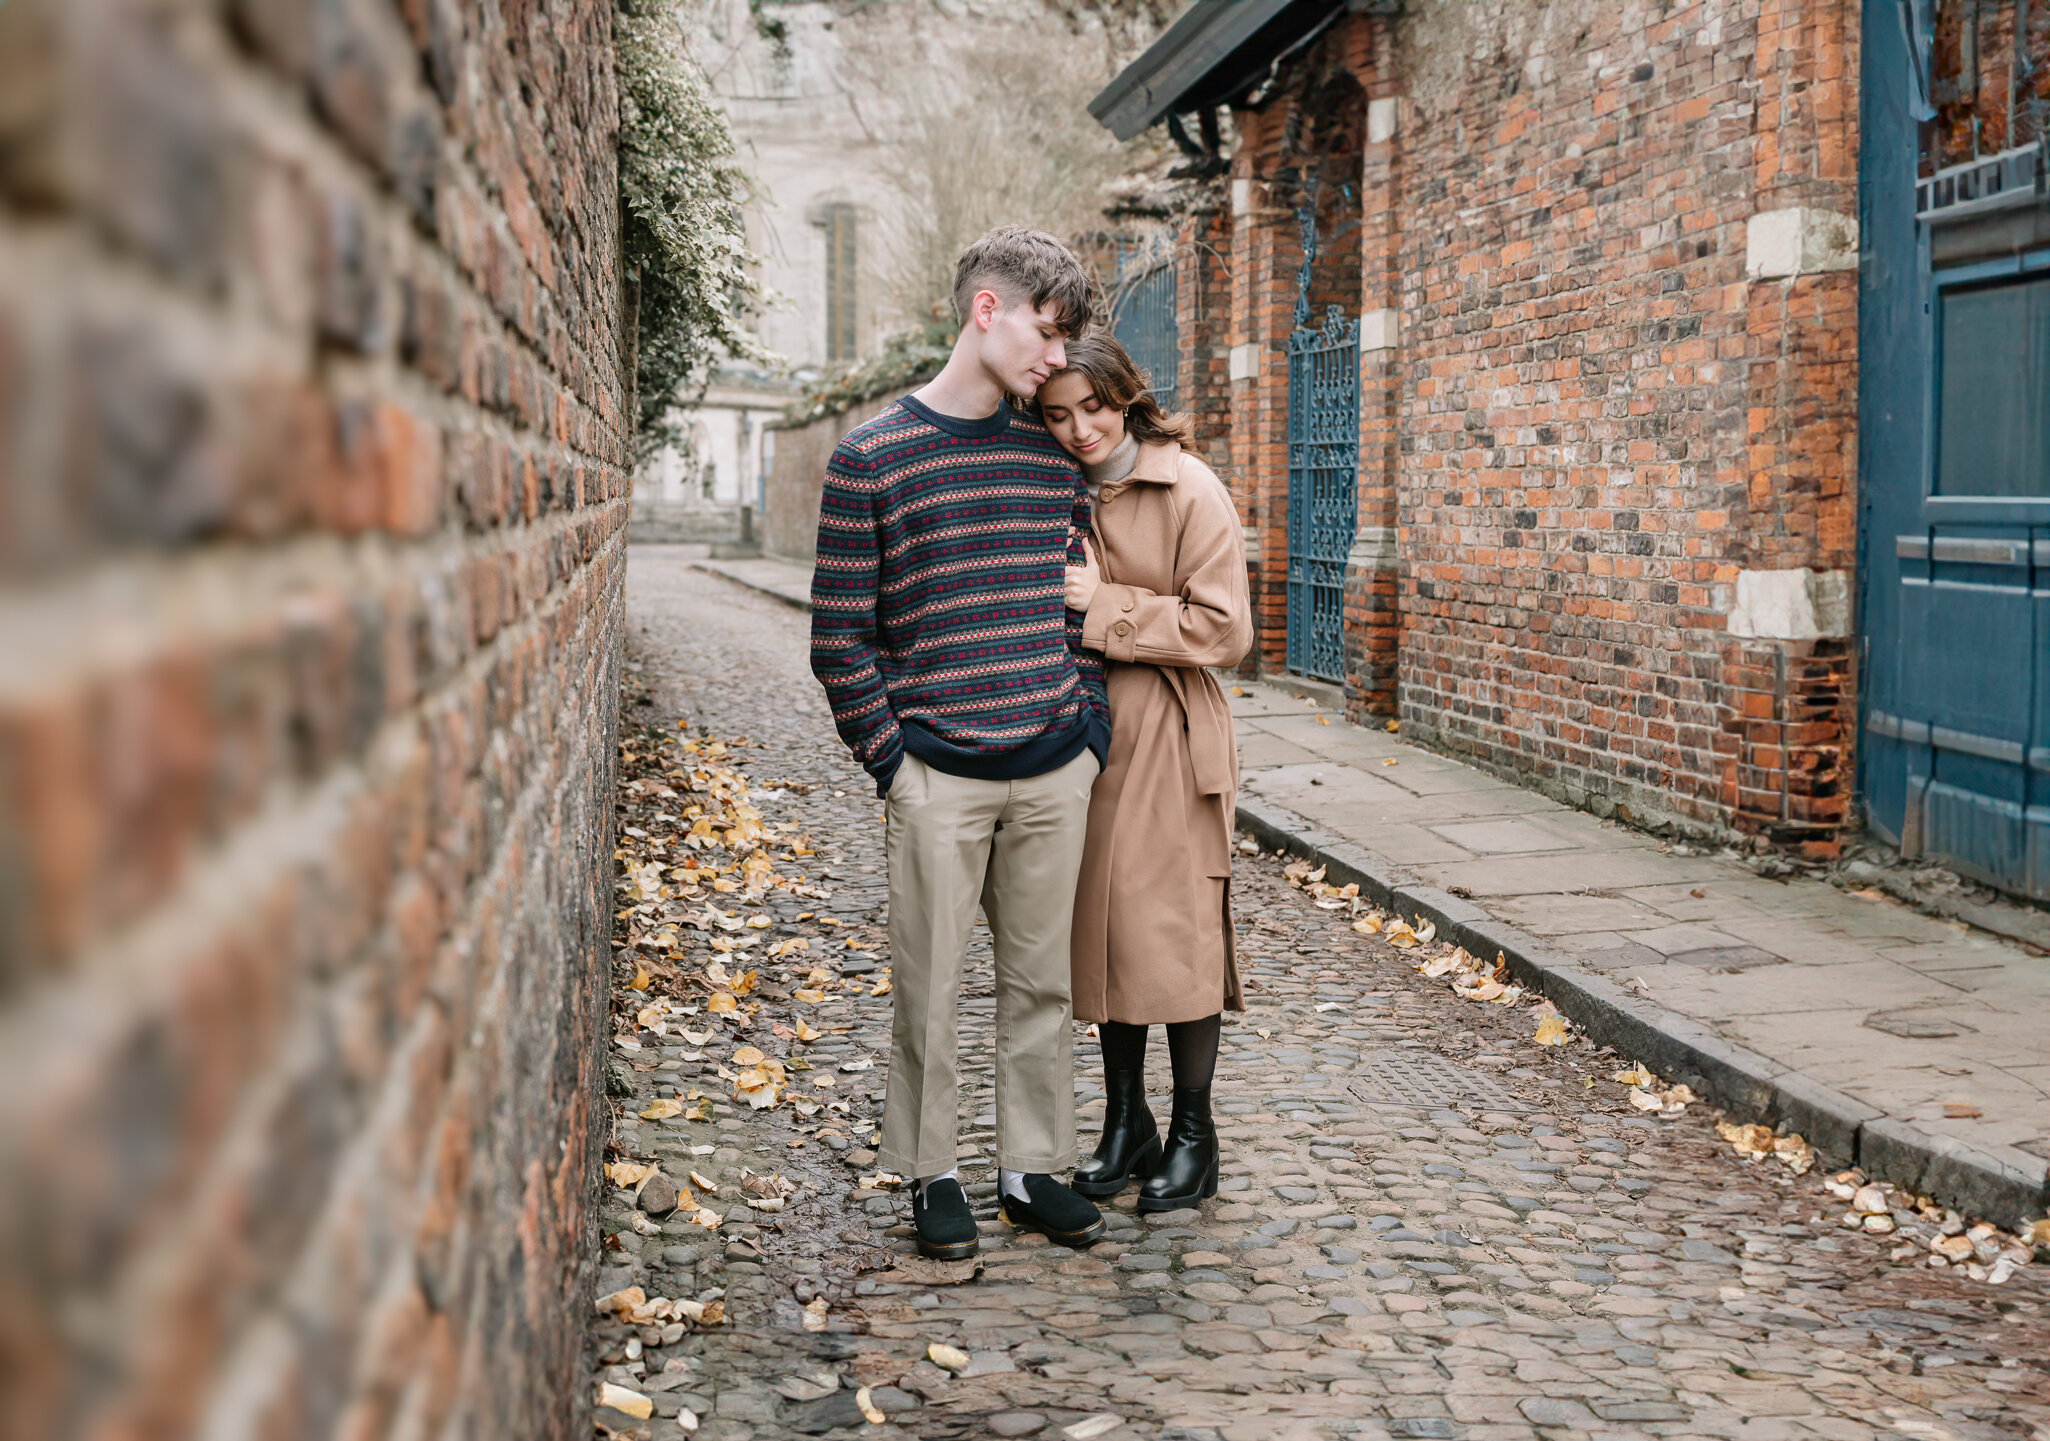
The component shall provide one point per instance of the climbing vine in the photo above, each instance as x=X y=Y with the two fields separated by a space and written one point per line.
x=692 y=279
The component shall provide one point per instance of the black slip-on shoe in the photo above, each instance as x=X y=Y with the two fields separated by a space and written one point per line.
x=946 y=1227
x=1054 y=1210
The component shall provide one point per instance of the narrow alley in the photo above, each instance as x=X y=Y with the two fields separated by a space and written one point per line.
x=1430 y=1225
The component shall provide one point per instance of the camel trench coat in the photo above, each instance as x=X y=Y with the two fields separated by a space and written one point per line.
x=1152 y=937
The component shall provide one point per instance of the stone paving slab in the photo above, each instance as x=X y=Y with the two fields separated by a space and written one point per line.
x=1907 y=1016
x=778 y=579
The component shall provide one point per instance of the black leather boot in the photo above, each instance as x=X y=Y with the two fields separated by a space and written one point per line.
x=1130 y=1144
x=1188 y=1168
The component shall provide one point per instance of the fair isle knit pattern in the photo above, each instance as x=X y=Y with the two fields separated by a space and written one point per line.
x=938 y=623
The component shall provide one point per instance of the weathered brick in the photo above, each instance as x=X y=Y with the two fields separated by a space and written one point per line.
x=296 y=783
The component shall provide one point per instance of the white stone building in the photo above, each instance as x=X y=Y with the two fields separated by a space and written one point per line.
x=801 y=136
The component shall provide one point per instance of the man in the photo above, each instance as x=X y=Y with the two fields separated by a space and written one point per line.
x=958 y=679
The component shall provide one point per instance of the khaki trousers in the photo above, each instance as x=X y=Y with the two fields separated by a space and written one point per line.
x=1015 y=846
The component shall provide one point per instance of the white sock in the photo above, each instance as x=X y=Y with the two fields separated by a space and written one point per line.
x=1013 y=1183
x=952 y=1173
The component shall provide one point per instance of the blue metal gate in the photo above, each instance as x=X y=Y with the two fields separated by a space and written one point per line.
x=1323 y=470
x=1144 y=323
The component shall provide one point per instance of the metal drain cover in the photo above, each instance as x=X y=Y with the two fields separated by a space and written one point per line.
x=1422 y=1078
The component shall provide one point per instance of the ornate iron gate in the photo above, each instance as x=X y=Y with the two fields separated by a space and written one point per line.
x=1323 y=469
x=1144 y=323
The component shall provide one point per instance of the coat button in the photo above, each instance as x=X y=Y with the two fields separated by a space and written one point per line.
x=1124 y=627
x=1127 y=605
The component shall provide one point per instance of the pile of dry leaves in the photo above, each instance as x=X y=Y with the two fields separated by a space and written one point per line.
x=1929 y=1233
x=1472 y=978
x=697 y=863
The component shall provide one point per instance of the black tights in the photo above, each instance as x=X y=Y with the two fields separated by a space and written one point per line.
x=1191 y=1045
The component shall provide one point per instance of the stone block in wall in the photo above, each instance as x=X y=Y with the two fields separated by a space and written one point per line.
x=1798 y=240
x=1796 y=604
x=1380 y=330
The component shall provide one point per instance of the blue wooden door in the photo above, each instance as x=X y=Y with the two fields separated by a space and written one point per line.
x=1954 y=422
x=1323 y=473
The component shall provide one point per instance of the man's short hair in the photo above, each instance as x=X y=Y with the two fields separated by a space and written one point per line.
x=1021 y=264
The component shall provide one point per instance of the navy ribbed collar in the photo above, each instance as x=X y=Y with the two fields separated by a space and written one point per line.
x=982 y=429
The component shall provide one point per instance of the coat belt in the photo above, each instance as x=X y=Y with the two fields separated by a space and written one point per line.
x=1209 y=719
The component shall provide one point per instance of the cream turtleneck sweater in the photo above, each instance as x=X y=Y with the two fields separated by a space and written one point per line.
x=1112 y=468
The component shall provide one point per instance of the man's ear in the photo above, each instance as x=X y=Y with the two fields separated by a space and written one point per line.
x=984 y=308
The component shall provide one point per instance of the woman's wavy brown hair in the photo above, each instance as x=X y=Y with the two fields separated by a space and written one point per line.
x=1118 y=383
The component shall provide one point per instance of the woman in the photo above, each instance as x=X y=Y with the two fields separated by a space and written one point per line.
x=1163 y=595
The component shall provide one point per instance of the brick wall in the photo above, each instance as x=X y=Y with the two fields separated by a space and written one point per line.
x=795 y=480
x=1584 y=411
x=1608 y=419
x=312 y=506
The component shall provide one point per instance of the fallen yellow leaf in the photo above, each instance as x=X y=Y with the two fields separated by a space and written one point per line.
x=1794 y=1153
x=1635 y=1076
x=627 y=1403
x=866 y=1402
x=663 y=1109
x=1368 y=925
x=807 y=1033
x=629 y=1174
x=758 y=923
x=1391 y=761
x=747 y=1056
x=1645 y=1100
x=882 y=987
x=641 y=980
x=698 y=1180
x=809 y=997
x=623 y=1303
x=1551 y=1031
x=950 y=1357
x=721 y=1004
x=1754 y=1142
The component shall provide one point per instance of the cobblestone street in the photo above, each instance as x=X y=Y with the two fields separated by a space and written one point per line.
x=1428 y=1226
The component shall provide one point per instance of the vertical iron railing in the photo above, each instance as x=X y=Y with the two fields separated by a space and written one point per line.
x=1323 y=469
x=1144 y=323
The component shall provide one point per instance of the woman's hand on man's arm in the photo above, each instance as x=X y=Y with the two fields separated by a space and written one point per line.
x=1083 y=579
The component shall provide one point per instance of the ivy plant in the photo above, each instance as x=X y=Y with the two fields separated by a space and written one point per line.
x=691 y=279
